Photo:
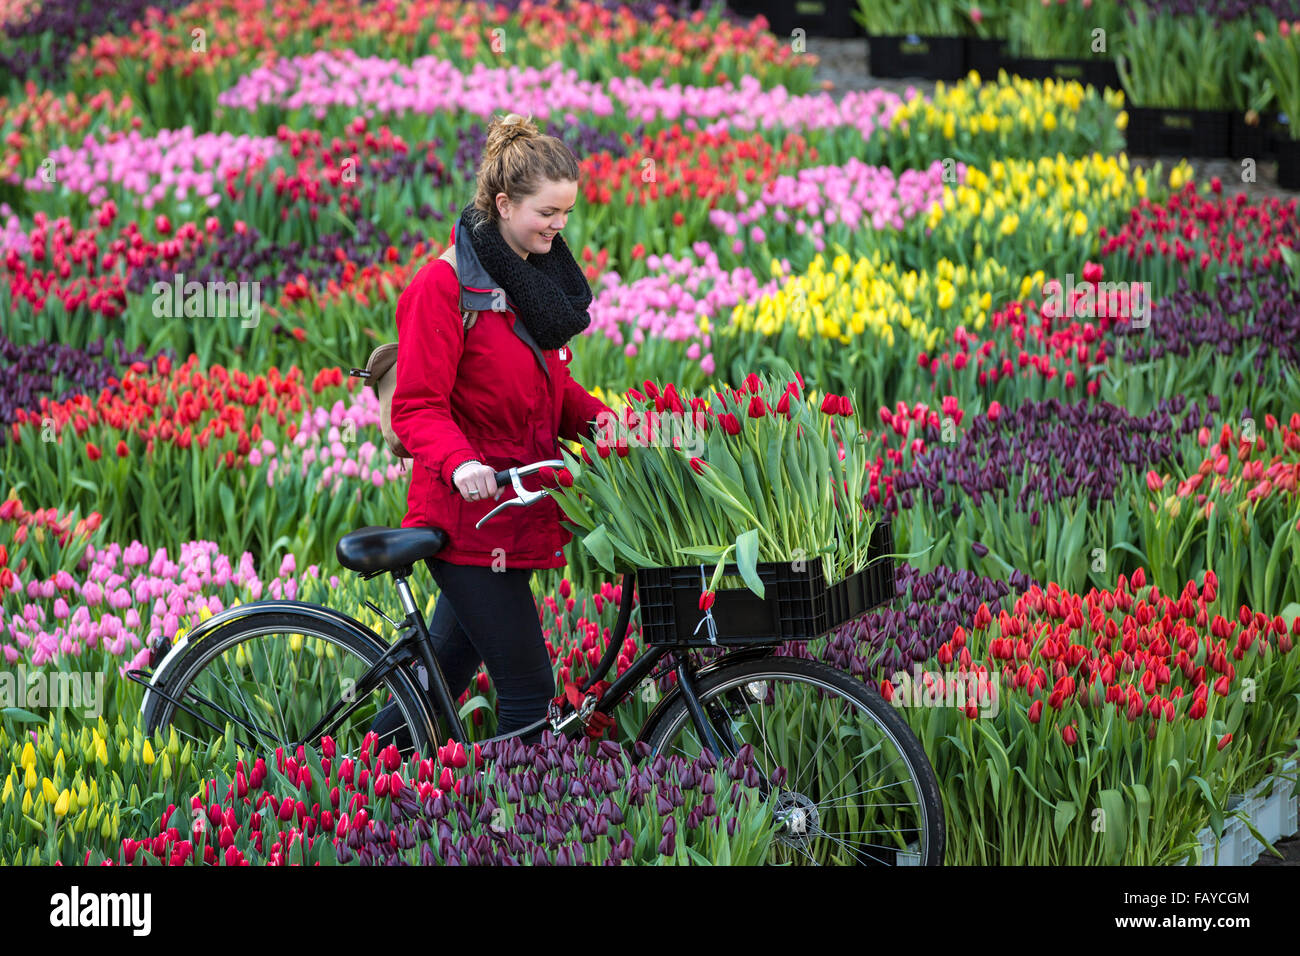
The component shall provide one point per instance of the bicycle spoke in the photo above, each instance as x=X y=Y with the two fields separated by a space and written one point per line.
x=849 y=848
x=238 y=690
x=837 y=752
x=284 y=724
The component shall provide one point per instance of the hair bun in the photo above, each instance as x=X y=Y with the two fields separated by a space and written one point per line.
x=502 y=132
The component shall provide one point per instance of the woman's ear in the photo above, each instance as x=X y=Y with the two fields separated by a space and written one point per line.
x=503 y=205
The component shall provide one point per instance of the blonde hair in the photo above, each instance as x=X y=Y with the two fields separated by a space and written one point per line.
x=517 y=159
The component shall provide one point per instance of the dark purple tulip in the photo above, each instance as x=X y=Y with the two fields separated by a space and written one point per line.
x=709 y=805
x=57 y=372
x=668 y=845
x=426 y=855
x=663 y=805
x=980 y=549
x=731 y=826
x=63 y=25
x=610 y=750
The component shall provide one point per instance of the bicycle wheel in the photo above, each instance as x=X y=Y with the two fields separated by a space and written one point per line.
x=279 y=676
x=848 y=782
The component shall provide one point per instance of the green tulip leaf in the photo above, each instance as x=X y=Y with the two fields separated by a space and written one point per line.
x=1115 y=823
x=747 y=560
x=1065 y=813
x=18 y=715
x=711 y=552
x=598 y=544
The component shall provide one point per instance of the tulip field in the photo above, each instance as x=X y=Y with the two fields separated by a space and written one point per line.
x=1069 y=379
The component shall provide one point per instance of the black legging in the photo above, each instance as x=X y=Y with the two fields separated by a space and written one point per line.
x=486 y=616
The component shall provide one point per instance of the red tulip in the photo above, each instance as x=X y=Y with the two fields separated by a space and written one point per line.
x=93 y=452
x=1069 y=735
x=1224 y=741
x=698 y=465
x=706 y=600
x=1035 y=711
x=846 y=406
x=730 y=424
x=756 y=407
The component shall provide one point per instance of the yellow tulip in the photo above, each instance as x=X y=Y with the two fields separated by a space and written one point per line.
x=28 y=758
x=8 y=790
x=48 y=790
x=147 y=754
x=61 y=805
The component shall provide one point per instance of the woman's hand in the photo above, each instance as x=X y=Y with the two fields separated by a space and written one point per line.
x=476 y=481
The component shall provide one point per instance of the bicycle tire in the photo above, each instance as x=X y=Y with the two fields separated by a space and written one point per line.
x=675 y=720
x=177 y=675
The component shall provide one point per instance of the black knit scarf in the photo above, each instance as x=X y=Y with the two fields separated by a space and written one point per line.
x=550 y=293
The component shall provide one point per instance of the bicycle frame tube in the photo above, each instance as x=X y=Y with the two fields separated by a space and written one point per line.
x=438 y=689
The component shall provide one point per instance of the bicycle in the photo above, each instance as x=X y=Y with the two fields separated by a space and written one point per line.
x=854 y=733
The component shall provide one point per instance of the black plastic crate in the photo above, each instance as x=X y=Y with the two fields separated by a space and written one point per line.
x=987 y=55
x=1095 y=71
x=1288 y=164
x=911 y=55
x=1251 y=140
x=1185 y=133
x=799 y=606
x=818 y=18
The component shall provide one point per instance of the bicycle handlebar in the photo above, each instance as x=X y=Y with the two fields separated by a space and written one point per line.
x=510 y=477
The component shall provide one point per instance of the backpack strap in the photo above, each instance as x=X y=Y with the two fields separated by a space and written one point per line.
x=467 y=317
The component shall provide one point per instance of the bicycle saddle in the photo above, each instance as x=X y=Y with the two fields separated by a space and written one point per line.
x=375 y=550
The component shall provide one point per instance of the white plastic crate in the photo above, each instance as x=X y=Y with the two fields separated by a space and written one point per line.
x=1274 y=816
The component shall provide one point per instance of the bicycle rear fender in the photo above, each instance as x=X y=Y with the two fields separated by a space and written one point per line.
x=670 y=698
x=240 y=611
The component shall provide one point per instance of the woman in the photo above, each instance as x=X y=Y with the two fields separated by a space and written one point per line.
x=469 y=402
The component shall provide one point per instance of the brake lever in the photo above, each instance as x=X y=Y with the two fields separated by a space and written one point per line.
x=523 y=497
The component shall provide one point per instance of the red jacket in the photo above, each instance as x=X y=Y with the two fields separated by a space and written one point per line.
x=489 y=393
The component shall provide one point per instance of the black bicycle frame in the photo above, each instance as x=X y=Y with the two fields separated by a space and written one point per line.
x=617 y=691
